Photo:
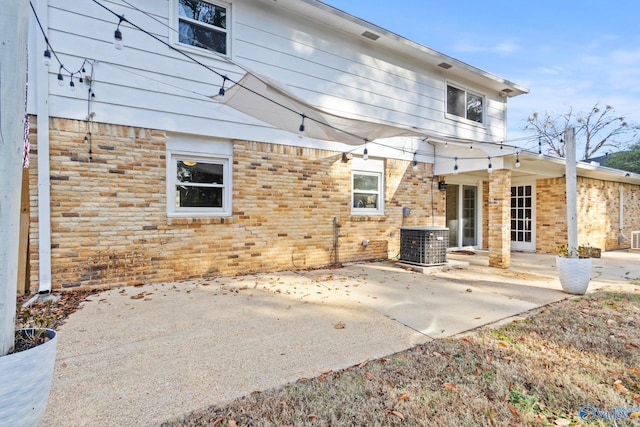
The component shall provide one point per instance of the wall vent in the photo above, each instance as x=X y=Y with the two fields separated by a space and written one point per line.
x=635 y=240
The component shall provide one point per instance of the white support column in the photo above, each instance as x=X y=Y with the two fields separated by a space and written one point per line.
x=572 y=185
x=13 y=77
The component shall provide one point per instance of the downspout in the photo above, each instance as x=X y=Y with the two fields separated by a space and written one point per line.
x=44 y=184
x=433 y=178
x=621 y=236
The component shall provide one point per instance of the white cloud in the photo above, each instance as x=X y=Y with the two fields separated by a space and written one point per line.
x=502 y=48
x=626 y=57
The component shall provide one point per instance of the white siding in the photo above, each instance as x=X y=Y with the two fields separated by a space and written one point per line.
x=149 y=85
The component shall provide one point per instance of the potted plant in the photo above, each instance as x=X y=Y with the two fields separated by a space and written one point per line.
x=27 y=372
x=574 y=268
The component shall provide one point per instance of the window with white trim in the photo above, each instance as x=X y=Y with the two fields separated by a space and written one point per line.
x=467 y=105
x=367 y=189
x=203 y=24
x=198 y=185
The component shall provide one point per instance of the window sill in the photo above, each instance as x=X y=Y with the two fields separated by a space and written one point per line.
x=202 y=220
x=368 y=218
x=464 y=120
x=194 y=50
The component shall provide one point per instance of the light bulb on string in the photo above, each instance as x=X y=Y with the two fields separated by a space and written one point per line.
x=517 y=159
x=301 y=128
x=490 y=166
x=455 y=166
x=60 y=77
x=446 y=144
x=72 y=85
x=471 y=147
x=365 y=153
x=221 y=92
x=415 y=161
x=46 y=60
x=539 y=147
x=117 y=36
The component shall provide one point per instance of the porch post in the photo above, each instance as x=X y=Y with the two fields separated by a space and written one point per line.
x=500 y=218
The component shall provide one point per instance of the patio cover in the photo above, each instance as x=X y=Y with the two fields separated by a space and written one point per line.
x=269 y=102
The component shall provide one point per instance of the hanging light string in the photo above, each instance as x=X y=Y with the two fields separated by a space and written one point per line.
x=505 y=143
x=50 y=51
x=303 y=116
x=224 y=77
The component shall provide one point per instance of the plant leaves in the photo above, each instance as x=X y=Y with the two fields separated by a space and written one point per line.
x=513 y=410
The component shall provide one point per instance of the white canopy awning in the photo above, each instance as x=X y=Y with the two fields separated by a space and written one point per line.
x=269 y=102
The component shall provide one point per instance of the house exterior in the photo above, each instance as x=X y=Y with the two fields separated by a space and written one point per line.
x=140 y=175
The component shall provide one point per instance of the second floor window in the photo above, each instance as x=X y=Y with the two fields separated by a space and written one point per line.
x=464 y=104
x=203 y=24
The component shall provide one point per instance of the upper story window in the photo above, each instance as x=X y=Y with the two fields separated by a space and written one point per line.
x=367 y=180
x=464 y=104
x=203 y=24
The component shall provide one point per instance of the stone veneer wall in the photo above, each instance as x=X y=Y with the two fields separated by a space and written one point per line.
x=598 y=213
x=110 y=228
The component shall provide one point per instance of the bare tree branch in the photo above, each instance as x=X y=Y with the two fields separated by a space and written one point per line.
x=594 y=130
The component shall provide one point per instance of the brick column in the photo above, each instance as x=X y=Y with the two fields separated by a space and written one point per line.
x=500 y=218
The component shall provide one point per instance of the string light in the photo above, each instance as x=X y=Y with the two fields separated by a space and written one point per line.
x=471 y=147
x=489 y=167
x=301 y=128
x=446 y=144
x=46 y=60
x=60 y=78
x=221 y=92
x=365 y=153
x=455 y=166
x=415 y=160
x=517 y=159
x=539 y=147
x=72 y=85
x=117 y=35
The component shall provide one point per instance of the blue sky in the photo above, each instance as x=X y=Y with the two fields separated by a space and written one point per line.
x=568 y=53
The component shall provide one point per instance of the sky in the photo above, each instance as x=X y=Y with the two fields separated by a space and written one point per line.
x=570 y=54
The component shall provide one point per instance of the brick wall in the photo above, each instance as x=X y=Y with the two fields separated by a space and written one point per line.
x=109 y=223
x=598 y=213
x=499 y=206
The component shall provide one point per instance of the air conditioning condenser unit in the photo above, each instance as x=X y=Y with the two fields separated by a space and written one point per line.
x=635 y=240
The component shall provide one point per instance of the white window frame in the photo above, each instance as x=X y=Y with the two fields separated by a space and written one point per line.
x=371 y=167
x=174 y=35
x=180 y=149
x=466 y=93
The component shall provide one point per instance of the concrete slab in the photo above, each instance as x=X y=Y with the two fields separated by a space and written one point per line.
x=139 y=355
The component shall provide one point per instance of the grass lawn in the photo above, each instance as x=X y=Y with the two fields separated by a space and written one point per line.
x=581 y=352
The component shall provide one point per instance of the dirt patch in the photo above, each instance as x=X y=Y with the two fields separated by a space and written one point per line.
x=50 y=314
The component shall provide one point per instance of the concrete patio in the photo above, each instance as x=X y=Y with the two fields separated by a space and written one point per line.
x=141 y=355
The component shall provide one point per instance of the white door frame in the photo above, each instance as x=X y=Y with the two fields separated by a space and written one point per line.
x=527 y=246
x=461 y=181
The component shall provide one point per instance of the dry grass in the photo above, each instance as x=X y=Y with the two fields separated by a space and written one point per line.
x=538 y=371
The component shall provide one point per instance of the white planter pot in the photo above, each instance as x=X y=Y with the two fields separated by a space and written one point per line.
x=25 y=380
x=574 y=274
